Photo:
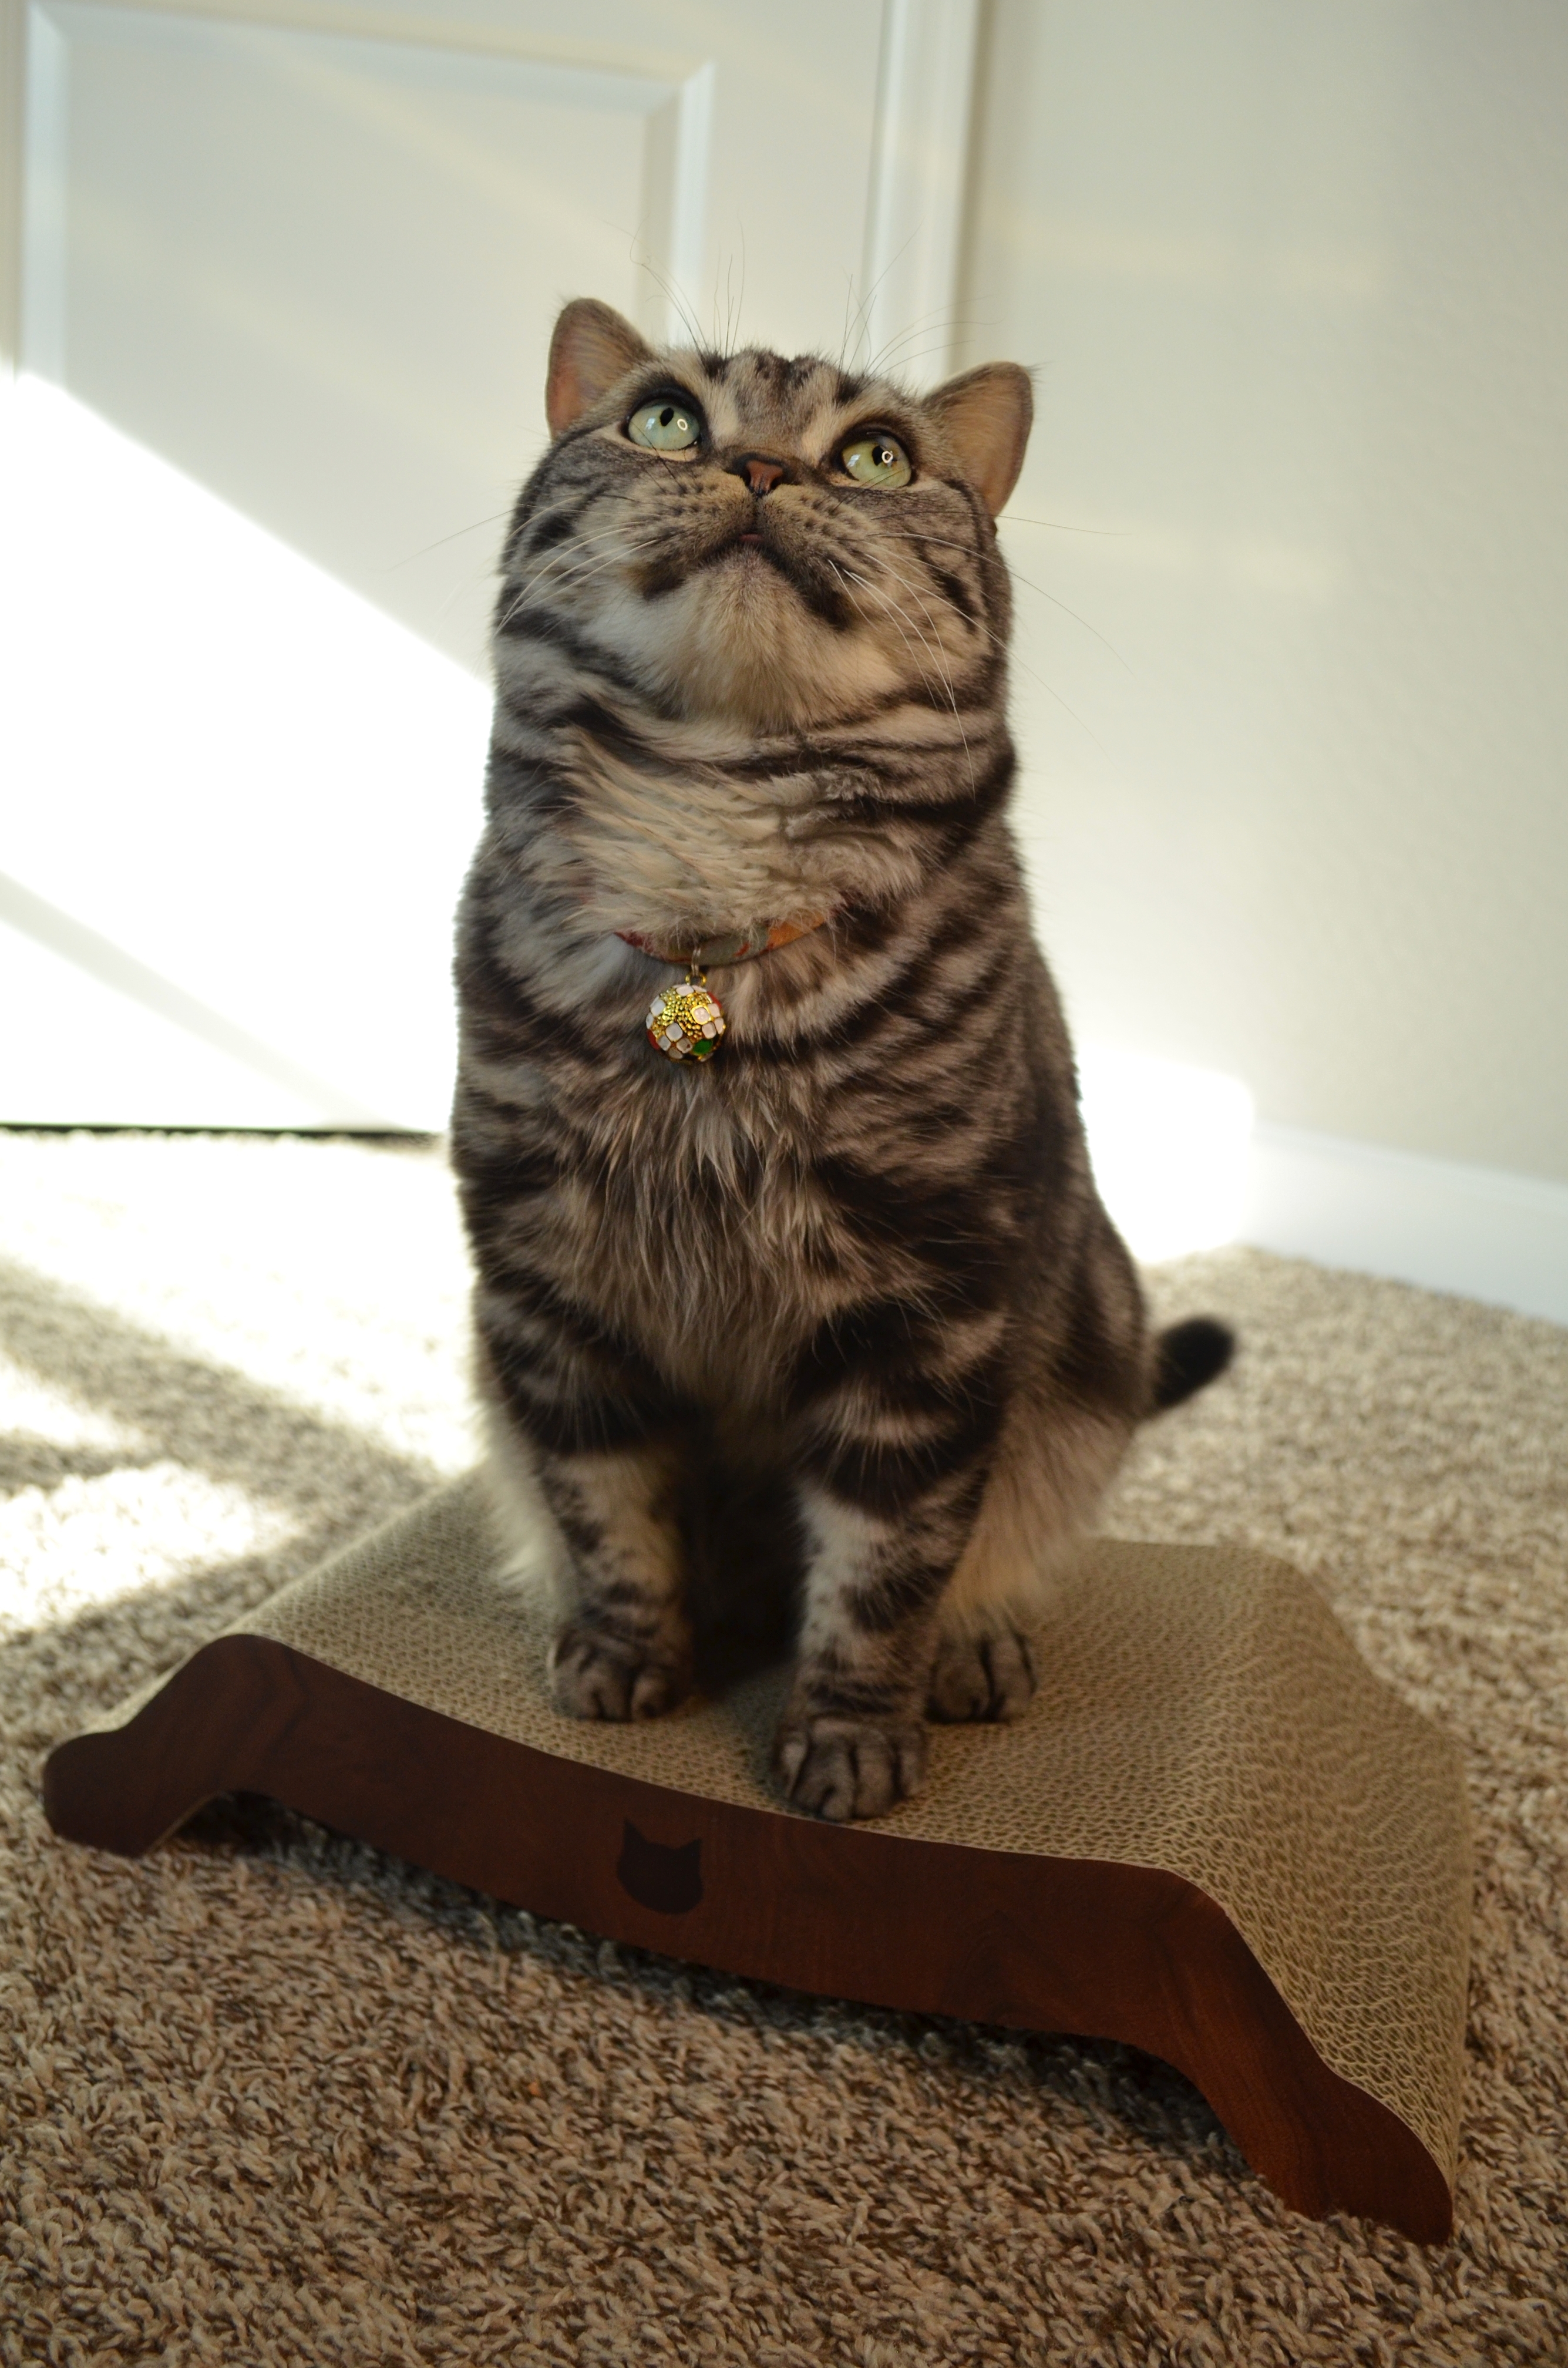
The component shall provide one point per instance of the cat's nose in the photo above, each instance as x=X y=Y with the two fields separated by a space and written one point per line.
x=760 y=469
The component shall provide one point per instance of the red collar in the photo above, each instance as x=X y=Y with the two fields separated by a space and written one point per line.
x=741 y=945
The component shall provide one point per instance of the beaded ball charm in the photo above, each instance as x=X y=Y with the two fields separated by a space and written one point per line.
x=686 y=1022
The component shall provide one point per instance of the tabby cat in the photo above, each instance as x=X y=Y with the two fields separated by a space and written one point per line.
x=835 y=1286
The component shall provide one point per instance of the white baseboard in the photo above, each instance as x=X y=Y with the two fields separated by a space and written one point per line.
x=1472 y=1230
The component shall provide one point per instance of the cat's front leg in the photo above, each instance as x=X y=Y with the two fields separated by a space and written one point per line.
x=624 y=1648
x=852 y=1740
x=585 y=1439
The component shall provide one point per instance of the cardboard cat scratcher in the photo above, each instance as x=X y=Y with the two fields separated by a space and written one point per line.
x=1215 y=1836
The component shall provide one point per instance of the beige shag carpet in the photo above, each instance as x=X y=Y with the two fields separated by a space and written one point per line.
x=267 y=2097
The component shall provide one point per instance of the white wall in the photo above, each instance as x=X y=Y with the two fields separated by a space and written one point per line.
x=280 y=277
x=1291 y=540
x=1297 y=725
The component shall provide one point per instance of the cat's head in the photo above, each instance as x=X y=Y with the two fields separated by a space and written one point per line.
x=763 y=542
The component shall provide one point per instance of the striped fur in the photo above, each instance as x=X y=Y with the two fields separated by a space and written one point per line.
x=855 y=1268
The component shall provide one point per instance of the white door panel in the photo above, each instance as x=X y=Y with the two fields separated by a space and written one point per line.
x=318 y=274
x=286 y=290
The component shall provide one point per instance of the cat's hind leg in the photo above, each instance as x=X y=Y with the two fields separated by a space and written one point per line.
x=1052 y=1466
x=984 y=1671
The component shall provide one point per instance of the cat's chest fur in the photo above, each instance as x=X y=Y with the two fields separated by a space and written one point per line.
x=701 y=1224
x=699 y=843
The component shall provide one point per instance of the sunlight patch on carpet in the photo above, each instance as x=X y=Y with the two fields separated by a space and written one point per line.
x=93 y=1540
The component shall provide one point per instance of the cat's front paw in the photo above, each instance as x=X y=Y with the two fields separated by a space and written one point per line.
x=593 y=1675
x=842 y=1767
x=989 y=1675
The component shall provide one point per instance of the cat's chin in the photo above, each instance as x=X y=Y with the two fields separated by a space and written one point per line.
x=739 y=643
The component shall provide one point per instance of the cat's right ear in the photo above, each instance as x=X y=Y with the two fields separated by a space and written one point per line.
x=592 y=347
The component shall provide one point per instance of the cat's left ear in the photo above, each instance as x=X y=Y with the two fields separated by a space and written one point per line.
x=592 y=347
x=987 y=413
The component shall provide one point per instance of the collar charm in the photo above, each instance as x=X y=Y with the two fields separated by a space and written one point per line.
x=686 y=1022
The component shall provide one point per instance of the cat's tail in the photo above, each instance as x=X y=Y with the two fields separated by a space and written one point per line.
x=1186 y=1356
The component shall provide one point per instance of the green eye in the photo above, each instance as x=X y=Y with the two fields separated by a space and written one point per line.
x=665 y=424
x=876 y=460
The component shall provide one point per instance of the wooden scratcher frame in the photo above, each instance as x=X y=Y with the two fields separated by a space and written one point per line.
x=1296 y=1944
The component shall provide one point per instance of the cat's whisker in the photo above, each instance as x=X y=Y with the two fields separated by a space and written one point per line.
x=1011 y=658
x=733 y=321
x=544 y=570
x=848 y=575
x=641 y=256
x=556 y=509
x=864 y=312
x=894 y=608
x=940 y=543
x=930 y=619
x=558 y=553
x=442 y=540
x=539 y=581
x=907 y=627
x=1062 y=526
x=952 y=699
x=904 y=625
x=587 y=568
x=937 y=322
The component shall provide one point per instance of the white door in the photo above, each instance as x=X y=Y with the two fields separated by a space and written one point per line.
x=278 y=279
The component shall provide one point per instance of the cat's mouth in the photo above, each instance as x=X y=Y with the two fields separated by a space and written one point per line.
x=751 y=538
x=815 y=584
x=811 y=579
x=675 y=566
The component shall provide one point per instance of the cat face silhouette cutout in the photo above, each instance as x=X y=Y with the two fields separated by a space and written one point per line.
x=667 y=1880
